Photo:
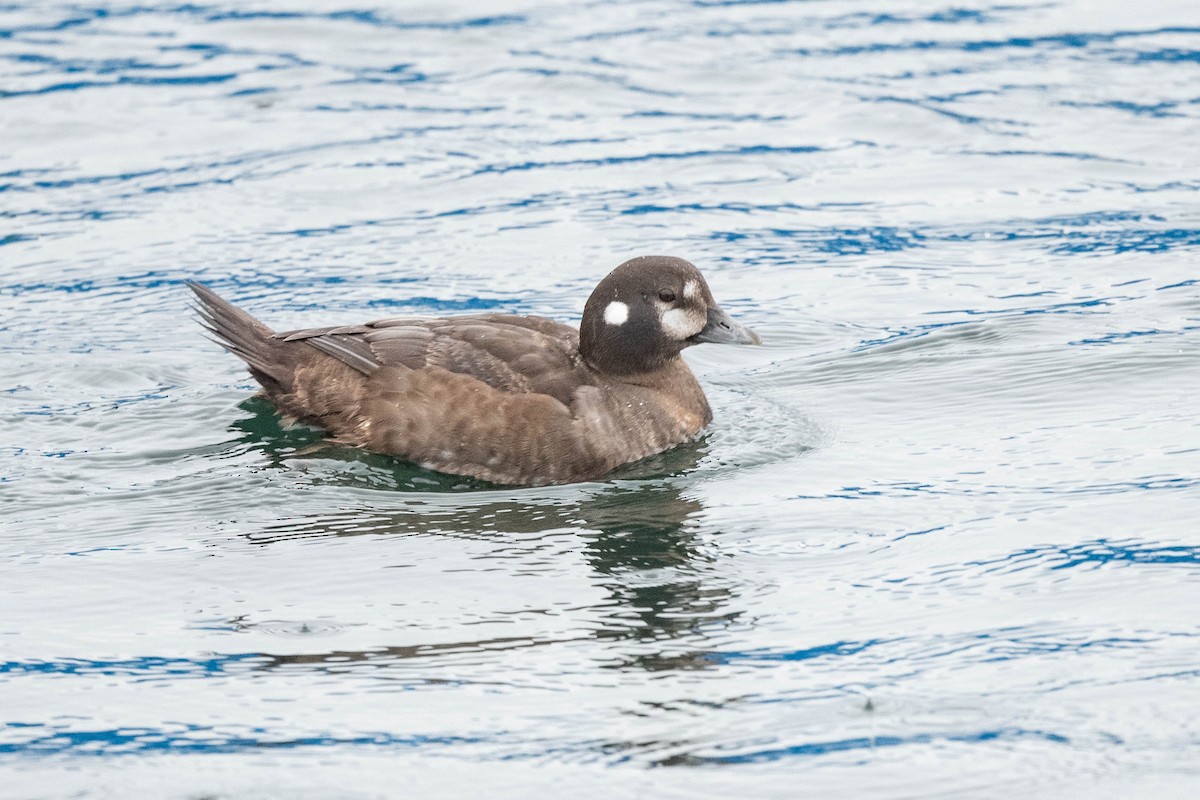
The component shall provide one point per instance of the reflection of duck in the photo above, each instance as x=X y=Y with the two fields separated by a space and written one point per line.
x=644 y=553
x=637 y=536
x=437 y=504
x=512 y=400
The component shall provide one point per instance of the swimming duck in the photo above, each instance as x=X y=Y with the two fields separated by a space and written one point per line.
x=508 y=399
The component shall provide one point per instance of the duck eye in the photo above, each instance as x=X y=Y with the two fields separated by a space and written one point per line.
x=666 y=295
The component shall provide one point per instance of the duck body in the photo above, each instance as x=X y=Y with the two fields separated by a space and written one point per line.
x=516 y=400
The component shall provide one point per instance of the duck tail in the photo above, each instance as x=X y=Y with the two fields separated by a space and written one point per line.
x=245 y=337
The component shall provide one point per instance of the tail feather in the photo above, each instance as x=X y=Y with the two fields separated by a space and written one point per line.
x=245 y=337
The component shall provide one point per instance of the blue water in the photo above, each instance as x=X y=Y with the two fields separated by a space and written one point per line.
x=941 y=539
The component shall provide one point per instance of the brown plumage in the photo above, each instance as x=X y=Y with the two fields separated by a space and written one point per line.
x=512 y=400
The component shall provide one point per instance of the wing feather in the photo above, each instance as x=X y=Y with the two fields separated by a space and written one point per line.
x=508 y=353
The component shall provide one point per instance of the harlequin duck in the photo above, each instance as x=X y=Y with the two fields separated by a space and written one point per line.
x=511 y=400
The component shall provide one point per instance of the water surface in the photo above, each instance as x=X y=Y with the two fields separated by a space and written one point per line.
x=939 y=541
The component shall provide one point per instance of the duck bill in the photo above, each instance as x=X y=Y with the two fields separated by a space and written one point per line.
x=724 y=329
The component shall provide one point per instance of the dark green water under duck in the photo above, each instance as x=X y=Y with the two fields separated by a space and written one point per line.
x=940 y=540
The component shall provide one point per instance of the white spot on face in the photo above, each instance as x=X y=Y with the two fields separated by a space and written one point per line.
x=678 y=323
x=616 y=312
x=691 y=289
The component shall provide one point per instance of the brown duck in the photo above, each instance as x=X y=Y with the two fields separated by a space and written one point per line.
x=512 y=400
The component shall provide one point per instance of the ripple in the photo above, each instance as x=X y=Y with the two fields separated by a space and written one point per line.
x=871 y=744
x=749 y=150
x=56 y=740
x=1096 y=553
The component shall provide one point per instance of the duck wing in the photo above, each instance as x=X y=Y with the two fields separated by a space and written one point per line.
x=509 y=353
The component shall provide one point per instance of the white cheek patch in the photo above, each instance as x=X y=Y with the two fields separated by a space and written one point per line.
x=616 y=312
x=680 y=324
x=691 y=289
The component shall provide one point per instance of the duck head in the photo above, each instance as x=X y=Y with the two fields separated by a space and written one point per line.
x=649 y=309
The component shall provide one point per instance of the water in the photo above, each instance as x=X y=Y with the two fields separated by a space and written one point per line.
x=940 y=541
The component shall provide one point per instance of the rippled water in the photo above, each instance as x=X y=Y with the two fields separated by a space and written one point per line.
x=940 y=541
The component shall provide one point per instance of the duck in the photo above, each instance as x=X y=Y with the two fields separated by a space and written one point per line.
x=511 y=400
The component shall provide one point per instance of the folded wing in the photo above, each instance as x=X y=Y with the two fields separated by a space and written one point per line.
x=510 y=354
